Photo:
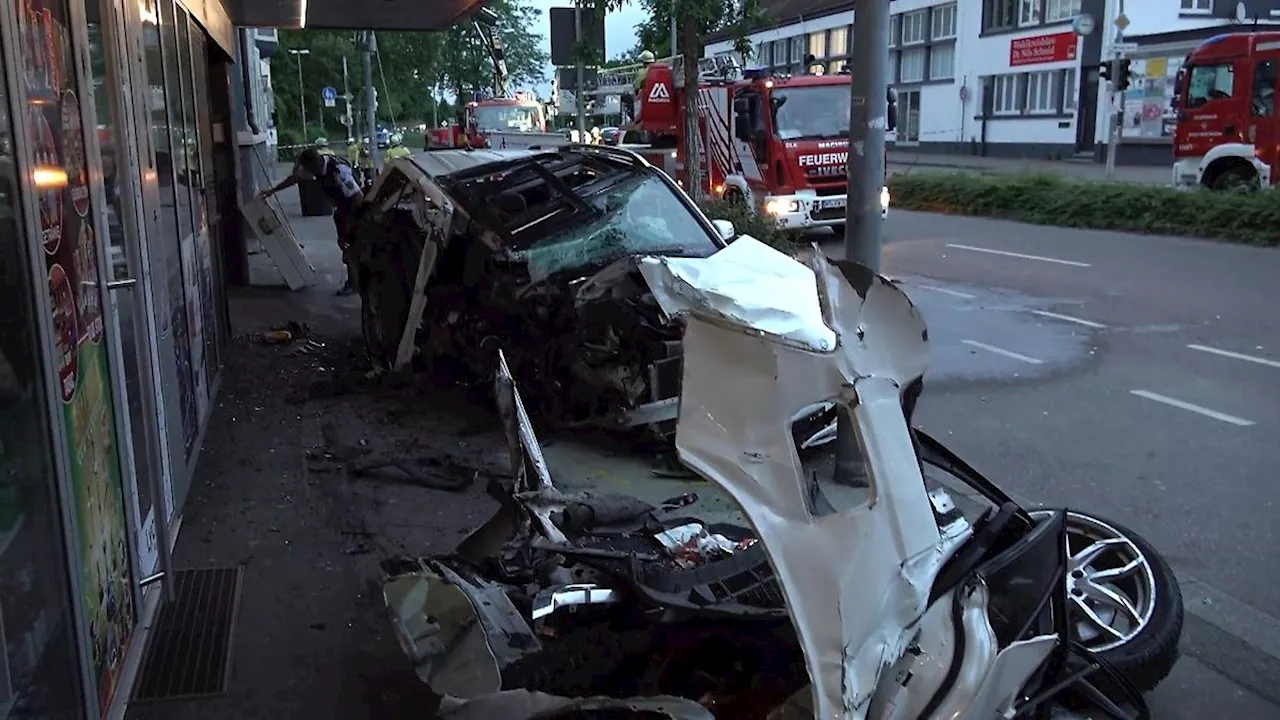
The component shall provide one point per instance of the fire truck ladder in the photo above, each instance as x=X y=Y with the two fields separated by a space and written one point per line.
x=493 y=44
x=620 y=80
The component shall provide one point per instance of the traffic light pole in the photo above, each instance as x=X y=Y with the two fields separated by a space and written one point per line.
x=1115 y=128
x=868 y=120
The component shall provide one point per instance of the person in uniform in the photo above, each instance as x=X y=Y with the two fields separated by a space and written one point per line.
x=322 y=144
x=397 y=148
x=338 y=181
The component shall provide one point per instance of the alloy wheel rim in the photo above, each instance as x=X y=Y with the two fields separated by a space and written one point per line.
x=1110 y=583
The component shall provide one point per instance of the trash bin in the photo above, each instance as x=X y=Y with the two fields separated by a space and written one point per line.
x=312 y=198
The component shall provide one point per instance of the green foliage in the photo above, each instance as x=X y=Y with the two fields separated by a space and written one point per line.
x=1044 y=199
x=711 y=16
x=747 y=222
x=413 y=65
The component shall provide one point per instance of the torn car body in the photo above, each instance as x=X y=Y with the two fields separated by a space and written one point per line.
x=536 y=252
x=832 y=600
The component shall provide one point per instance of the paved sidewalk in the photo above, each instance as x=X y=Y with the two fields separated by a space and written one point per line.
x=903 y=161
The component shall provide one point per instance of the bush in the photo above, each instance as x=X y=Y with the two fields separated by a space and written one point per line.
x=747 y=222
x=1043 y=199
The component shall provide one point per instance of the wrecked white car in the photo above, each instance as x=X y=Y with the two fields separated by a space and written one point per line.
x=829 y=599
x=461 y=252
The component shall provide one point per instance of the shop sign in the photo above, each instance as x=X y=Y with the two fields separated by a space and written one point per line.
x=74 y=283
x=1043 y=49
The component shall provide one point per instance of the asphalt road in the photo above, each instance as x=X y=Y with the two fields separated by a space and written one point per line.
x=1135 y=377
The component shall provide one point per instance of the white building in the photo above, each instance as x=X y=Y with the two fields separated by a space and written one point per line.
x=1011 y=77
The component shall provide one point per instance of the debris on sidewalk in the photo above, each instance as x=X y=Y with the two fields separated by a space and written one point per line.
x=286 y=333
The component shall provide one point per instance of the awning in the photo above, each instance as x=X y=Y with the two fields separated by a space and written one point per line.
x=348 y=15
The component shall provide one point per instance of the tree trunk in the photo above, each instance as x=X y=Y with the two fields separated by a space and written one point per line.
x=693 y=151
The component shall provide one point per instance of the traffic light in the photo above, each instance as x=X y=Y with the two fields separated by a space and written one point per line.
x=1122 y=74
x=1104 y=71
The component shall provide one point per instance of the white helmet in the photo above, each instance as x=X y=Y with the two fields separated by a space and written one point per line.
x=646 y=57
x=322 y=142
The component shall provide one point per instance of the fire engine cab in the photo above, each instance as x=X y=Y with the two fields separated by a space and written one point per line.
x=777 y=143
x=1228 y=132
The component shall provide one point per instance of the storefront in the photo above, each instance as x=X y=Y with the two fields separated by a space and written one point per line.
x=113 y=328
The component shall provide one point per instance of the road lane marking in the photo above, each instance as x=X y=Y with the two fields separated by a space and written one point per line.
x=1172 y=402
x=1006 y=253
x=1236 y=355
x=1068 y=318
x=1002 y=351
x=945 y=291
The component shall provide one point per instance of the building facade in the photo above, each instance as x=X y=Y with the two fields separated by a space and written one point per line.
x=117 y=201
x=1012 y=77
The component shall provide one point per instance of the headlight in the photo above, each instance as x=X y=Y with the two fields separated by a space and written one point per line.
x=779 y=207
x=884 y=198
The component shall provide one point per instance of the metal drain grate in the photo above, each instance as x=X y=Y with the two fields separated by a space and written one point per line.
x=189 y=653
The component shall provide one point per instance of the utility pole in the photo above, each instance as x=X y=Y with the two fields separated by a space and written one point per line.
x=868 y=119
x=1114 y=126
x=346 y=98
x=302 y=93
x=580 y=94
x=370 y=101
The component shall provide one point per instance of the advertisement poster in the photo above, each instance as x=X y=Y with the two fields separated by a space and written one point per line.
x=61 y=176
x=1148 y=101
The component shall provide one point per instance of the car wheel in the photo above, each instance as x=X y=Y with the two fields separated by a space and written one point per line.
x=1125 y=602
x=1236 y=179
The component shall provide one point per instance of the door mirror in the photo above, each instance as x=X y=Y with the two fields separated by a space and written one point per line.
x=725 y=229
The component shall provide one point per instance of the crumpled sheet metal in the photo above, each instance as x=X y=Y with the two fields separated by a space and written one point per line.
x=856 y=581
x=747 y=283
x=526 y=705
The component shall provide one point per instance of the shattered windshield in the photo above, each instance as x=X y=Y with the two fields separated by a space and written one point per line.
x=641 y=216
x=816 y=111
x=508 y=118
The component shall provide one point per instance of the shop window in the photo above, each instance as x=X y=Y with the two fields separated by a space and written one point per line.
x=913 y=65
x=835 y=66
x=1004 y=95
x=943 y=22
x=942 y=62
x=763 y=55
x=818 y=44
x=895 y=29
x=1000 y=14
x=1069 y=89
x=1059 y=10
x=797 y=50
x=1197 y=6
x=914 y=31
x=1041 y=99
x=838 y=42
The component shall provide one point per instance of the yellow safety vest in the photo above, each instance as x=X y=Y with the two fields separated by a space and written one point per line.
x=398 y=151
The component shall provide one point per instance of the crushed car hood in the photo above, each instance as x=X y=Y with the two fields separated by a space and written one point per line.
x=857 y=578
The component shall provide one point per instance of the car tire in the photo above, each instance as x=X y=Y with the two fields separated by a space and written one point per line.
x=1239 y=178
x=1147 y=658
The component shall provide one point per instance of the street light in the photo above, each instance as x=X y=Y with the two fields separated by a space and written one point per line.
x=302 y=95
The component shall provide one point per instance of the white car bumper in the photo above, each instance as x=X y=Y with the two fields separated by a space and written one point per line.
x=805 y=212
x=1186 y=173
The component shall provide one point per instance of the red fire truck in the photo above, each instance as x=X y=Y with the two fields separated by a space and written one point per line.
x=511 y=123
x=775 y=142
x=1228 y=132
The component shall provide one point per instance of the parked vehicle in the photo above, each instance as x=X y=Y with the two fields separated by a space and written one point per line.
x=829 y=600
x=1228 y=124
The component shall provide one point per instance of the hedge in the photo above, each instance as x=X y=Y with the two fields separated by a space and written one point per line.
x=747 y=222
x=1044 y=199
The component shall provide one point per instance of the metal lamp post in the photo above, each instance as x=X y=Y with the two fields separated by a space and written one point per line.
x=302 y=95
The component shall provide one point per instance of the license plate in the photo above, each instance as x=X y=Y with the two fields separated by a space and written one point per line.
x=832 y=203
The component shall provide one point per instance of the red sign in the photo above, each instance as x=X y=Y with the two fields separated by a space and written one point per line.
x=1043 y=49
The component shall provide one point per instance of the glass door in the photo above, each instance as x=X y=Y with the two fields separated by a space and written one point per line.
x=129 y=301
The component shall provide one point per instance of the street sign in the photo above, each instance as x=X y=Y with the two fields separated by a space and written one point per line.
x=1122 y=22
x=1123 y=47
x=330 y=96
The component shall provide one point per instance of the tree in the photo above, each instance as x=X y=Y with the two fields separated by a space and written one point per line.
x=408 y=69
x=694 y=20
